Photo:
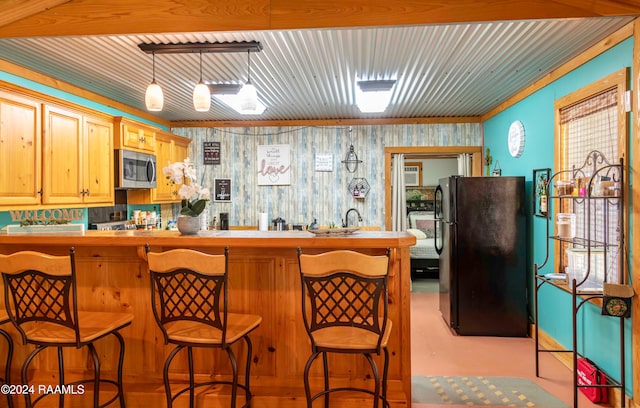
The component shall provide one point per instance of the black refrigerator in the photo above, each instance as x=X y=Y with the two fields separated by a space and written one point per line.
x=480 y=236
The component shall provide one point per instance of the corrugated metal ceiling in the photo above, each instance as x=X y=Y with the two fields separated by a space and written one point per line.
x=441 y=70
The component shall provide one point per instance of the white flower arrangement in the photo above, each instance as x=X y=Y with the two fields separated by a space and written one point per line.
x=194 y=197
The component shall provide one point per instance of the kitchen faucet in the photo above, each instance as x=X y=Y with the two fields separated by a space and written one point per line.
x=345 y=223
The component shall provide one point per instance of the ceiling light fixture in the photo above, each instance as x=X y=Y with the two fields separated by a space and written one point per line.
x=248 y=96
x=206 y=47
x=374 y=96
x=153 y=98
x=201 y=95
x=228 y=94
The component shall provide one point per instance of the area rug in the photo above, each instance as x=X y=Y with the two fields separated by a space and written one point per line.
x=481 y=391
x=425 y=285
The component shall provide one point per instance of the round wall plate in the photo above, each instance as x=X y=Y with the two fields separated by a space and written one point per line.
x=516 y=138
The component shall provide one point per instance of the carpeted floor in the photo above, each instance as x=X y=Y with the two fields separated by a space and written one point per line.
x=436 y=351
x=481 y=391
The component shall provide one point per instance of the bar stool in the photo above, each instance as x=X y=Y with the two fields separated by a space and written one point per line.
x=345 y=308
x=4 y=318
x=189 y=295
x=41 y=298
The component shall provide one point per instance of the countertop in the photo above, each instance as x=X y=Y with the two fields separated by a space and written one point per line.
x=216 y=238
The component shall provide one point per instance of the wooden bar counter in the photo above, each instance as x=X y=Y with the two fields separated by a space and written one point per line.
x=263 y=275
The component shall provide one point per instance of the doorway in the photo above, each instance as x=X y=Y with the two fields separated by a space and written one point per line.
x=424 y=152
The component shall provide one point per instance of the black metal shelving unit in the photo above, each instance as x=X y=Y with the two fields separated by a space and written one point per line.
x=595 y=166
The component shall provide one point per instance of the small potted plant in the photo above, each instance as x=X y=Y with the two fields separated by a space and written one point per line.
x=194 y=197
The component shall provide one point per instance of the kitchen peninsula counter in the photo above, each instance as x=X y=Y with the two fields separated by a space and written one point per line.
x=264 y=279
x=231 y=238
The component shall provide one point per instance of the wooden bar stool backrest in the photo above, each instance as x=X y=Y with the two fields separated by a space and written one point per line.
x=40 y=288
x=345 y=288
x=195 y=293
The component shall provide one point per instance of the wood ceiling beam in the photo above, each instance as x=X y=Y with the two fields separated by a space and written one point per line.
x=322 y=122
x=15 y=10
x=90 y=17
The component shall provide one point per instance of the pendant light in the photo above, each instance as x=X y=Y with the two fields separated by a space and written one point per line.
x=153 y=98
x=248 y=96
x=201 y=95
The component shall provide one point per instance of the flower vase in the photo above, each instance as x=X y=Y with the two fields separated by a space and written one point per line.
x=188 y=225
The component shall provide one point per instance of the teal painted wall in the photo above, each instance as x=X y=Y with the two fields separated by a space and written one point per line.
x=47 y=90
x=598 y=335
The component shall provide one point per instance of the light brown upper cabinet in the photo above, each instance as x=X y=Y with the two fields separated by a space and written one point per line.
x=174 y=149
x=170 y=148
x=77 y=158
x=99 y=161
x=20 y=154
x=132 y=135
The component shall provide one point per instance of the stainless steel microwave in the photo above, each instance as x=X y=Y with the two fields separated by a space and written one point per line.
x=135 y=170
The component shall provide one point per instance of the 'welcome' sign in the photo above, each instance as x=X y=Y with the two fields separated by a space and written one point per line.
x=68 y=214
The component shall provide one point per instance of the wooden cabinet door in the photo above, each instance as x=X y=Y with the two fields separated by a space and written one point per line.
x=20 y=154
x=165 y=190
x=131 y=135
x=98 y=161
x=62 y=157
x=148 y=141
x=181 y=149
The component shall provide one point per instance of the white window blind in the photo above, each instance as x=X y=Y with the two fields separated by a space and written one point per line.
x=587 y=126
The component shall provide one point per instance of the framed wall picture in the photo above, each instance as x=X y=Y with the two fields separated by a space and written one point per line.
x=324 y=162
x=211 y=152
x=541 y=192
x=222 y=189
x=274 y=165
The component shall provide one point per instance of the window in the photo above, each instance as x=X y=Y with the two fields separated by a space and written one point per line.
x=592 y=119
x=413 y=174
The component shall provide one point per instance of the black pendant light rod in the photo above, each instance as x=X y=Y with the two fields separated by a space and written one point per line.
x=185 y=48
x=153 y=79
x=248 y=66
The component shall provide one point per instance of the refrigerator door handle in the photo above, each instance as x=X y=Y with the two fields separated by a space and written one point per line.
x=437 y=203
x=436 y=236
x=438 y=218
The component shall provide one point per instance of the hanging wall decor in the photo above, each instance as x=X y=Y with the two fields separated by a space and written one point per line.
x=359 y=187
x=211 y=151
x=351 y=160
x=324 y=162
x=497 y=171
x=540 y=192
x=222 y=189
x=274 y=165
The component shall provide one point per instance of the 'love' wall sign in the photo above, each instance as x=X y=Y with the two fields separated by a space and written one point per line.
x=274 y=165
